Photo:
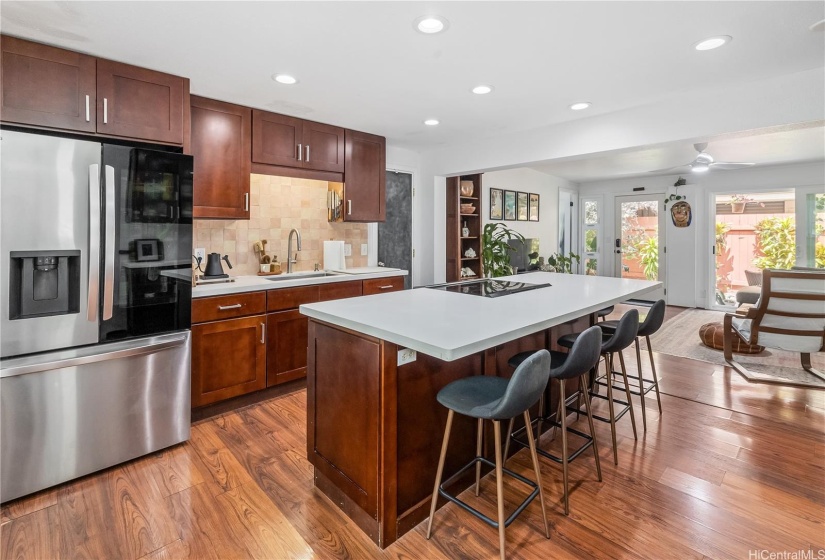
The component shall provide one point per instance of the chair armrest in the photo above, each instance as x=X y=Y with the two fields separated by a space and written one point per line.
x=746 y=310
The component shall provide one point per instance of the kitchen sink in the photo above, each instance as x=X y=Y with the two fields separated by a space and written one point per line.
x=300 y=275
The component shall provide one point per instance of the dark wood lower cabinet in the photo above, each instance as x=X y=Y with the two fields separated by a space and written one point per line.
x=228 y=358
x=286 y=347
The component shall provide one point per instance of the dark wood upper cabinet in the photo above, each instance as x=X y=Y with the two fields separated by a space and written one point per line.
x=277 y=139
x=291 y=142
x=323 y=147
x=134 y=102
x=47 y=87
x=365 y=171
x=221 y=146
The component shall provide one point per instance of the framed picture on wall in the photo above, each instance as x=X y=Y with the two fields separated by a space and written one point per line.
x=496 y=204
x=509 y=205
x=533 y=211
x=521 y=206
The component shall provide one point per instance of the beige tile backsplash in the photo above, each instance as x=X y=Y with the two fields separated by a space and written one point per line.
x=279 y=204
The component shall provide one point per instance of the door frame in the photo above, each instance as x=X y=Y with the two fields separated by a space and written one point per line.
x=662 y=230
x=372 y=227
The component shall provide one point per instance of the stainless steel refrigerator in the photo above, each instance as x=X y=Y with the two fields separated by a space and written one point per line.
x=95 y=298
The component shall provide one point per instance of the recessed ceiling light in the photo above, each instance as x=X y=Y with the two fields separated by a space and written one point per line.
x=580 y=105
x=712 y=43
x=482 y=90
x=284 y=79
x=431 y=122
x=431 y=24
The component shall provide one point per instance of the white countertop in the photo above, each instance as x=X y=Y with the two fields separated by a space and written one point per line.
x=256 y=283
x=449 y=325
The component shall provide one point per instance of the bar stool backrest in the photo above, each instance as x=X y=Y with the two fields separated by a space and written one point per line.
x=625 y=333
x=582 y=357
x=653 y=321
x=525 y=387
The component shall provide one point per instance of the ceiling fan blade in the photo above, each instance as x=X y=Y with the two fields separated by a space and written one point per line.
x=728 y=165
x=680 y=168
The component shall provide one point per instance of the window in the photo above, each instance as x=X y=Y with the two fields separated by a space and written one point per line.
x=591 y=226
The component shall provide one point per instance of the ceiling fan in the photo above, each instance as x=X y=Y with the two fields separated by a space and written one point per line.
x=704 y=161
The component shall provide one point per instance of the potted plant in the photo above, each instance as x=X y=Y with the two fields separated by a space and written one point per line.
x=562 y=263
x=495 y=249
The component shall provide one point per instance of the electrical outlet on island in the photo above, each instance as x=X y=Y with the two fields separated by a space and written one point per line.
x=405 y=356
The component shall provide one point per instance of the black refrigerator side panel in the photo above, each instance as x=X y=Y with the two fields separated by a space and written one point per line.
x=148 y=198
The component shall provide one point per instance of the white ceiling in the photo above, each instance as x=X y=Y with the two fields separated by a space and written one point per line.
x=361 y=64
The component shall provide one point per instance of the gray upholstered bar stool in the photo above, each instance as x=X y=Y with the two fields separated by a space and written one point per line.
x=582 y=358
x=603 y=313
x=652 y=323
x=494 y=398
x=622 y=337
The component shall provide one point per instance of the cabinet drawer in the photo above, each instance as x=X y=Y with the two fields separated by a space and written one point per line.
x=227 y=307
x=381 y=285
x=339 y=290
x=290 y=298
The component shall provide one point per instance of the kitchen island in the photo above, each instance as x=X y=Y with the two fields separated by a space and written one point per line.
x=375 y=365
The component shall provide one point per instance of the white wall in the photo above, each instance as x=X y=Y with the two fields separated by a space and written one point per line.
x=529 y=181
x=689 y=249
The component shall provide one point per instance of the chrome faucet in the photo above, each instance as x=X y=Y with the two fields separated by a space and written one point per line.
x=289 y=260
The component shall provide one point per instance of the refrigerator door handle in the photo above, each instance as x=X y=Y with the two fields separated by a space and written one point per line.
x=94 y=243
x=83 y=356
x=109 y=250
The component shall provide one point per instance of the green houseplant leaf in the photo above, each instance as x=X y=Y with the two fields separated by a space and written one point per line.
x=495 y=251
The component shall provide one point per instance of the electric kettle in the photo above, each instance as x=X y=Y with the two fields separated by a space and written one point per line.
x=213 y=266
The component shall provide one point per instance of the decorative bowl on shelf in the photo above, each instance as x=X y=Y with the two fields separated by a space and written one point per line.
x=467 y=208
x=467 y=188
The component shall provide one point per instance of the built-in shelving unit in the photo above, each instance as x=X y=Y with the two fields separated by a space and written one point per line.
x=458 y=244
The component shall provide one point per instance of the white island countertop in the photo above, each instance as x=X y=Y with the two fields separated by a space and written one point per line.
x=449 y=325
x=257 y=283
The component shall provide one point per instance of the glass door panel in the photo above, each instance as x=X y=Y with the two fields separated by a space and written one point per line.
x=638 y=247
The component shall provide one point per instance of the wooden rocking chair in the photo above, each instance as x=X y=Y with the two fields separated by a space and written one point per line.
x=789 y=315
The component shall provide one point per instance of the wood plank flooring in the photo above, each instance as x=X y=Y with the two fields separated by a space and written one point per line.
x=728 y=468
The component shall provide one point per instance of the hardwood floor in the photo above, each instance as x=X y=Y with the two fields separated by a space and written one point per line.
x=728 y=468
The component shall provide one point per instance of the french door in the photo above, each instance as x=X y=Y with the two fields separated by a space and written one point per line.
x=639 y=240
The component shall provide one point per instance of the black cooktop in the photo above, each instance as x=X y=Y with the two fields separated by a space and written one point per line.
x=489 y=287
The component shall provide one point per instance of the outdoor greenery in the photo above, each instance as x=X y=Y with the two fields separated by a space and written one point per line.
x=648 y=251
x=775 y=243
x=562 y=263
x=495 y=251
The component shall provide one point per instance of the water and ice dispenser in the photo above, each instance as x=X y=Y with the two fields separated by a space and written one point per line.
x=43 y=283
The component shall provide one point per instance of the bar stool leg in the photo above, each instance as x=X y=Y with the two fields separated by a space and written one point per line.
x=536 y=468
x=655 y=378
x=540 y=417
x=564 y=450
x=507 y=440
x=641 y=383
x=499 y=488
x=590 y=422
x=629 y=397
x=479 y=435
x=608 y=367
x=439 y=471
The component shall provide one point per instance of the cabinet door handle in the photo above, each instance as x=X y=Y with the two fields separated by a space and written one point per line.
x=88 y=116
x=307 y=153
x=385 y=287
x=105 y=111
x=246 y=202
x=227 y=307
x=349 y=208
x=300 y=151
x=263 y=333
